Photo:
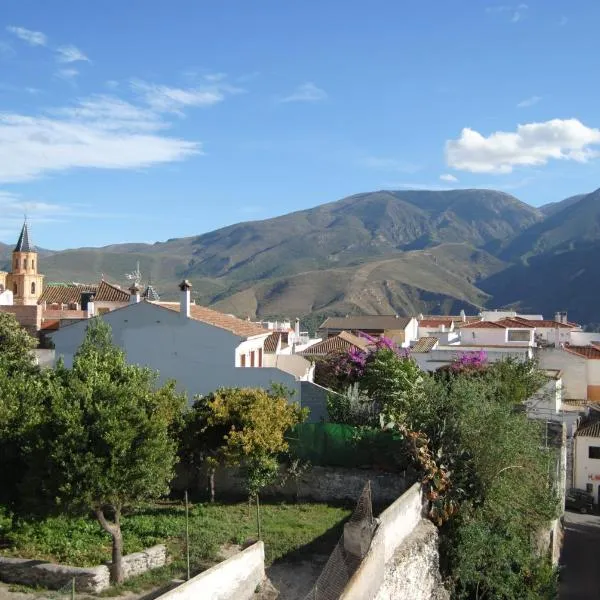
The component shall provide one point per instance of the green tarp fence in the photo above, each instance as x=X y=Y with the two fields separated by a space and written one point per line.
x=335 y=445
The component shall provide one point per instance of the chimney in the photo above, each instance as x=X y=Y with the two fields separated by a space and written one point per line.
x=463 y=316
x=184 y=299
x=297 y=328
x=91 y=308
x=134 y=291
x=420 y=317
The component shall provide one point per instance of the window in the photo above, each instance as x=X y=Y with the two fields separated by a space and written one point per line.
x=594 y=452
x=243 y=360
x=32 y=264
x=260 y=353
x=252 y=358
x=518 y=335
x=33 y=287
x=15 y=292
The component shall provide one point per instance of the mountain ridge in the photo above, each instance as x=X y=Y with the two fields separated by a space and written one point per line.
x=384 y=251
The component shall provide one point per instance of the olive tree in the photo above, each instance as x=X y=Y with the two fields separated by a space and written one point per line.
x=108 y=441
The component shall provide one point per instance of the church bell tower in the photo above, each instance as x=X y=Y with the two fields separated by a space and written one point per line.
x=24 y=280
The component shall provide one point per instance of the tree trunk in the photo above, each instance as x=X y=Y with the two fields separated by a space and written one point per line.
x=211 y=481
x=117 y=543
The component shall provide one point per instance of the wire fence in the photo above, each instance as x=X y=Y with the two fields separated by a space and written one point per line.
x=64 y=593
x=349 y=551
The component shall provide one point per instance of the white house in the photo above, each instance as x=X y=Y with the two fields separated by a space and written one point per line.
x=430 y=325
x=580 y=366
x=498 y=315
x=586 y=474
x=200 y=348
x=6 y=297
x=403 y=330
x=504 y=332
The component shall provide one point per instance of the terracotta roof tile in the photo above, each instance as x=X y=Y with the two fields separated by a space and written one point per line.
x=510 y=323
x=108 y=292
x=589 y=352
x=547 y=323
x=483 y=325
x=272 y=342
x=338 y=343
x=436 y=321
x=425 y=344
x=592 y=430
x=67 y=294
x=217 y=319
x=366 y=323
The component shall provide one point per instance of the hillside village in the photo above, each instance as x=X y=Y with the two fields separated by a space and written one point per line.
x=203 y=350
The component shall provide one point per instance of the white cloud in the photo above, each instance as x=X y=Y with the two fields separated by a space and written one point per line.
x=307 y=92
x=33 y=38
x=532 y=144
x=389 y=164
x=517 y=11
x=67 y=74
x=69 y=54
x=449 y=178
x=162 y=98
x=529 y=102
x=99 y=132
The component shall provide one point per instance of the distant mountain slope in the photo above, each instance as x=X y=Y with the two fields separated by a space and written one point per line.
x=576 y=224
x=553 y=207
x=387 y=251
x=566 y=280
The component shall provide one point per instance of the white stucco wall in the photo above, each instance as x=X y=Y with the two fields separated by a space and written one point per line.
x=587 y=470
x=547 y=401
x=574 y=371
x=482 y=336
x=553 y=335
x=291 y=363
x=6 y=298
x=581 y=338
x=200 y=357
x=234 y=579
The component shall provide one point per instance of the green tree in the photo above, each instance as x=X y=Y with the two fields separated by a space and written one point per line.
x=395 y=383
x=108 y=440
x=256 y=422
x=500 y=476
x=22 y=386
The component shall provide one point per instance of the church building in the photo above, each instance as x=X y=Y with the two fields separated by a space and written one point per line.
x=24 y=281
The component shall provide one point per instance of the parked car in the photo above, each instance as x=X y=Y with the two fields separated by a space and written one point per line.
x=580 y=500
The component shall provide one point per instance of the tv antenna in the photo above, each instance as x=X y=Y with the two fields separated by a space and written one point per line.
x=135 y=276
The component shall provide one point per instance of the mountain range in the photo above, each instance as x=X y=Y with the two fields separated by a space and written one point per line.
x=380 y=252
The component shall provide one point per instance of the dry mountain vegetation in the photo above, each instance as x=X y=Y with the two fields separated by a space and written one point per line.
x=386 y=251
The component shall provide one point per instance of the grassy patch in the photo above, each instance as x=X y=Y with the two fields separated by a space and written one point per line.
x=287 y=529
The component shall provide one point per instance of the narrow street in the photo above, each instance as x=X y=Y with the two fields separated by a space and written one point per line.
x=580 y=573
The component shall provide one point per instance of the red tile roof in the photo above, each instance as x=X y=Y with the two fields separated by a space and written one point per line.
x=425 y=344
x=514 y=324
x=592 y=430
x=436 y=321
x=342 y=342
x=547 y=323
x=65 y=294
x=272 y=342
x=589 y=352
x=217 y=319
x=71 y=293
x=484 y=325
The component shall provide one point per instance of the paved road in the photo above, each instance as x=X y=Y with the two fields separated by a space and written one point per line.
x=580 y=573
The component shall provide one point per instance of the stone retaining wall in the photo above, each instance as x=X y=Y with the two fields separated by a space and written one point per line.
x=37 y=573
x=318 y=484
x=402 y=561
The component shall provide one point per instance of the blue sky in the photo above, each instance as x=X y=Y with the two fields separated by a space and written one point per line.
x=142 y=120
